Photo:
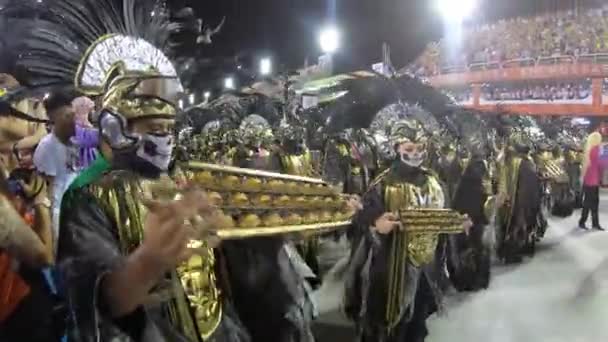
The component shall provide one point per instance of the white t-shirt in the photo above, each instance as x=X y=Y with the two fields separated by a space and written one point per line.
x=54 y=159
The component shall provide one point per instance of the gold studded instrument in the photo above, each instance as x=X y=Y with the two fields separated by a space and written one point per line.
x=417 y=243
x=257 y=203
x=550 y=169
x=432 y=221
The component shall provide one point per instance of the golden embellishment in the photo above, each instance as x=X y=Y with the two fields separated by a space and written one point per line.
x=195 y=308
x=134 y=77
x=432 y=220
x=424 y=219
x=508 y=185
x=344 y=150
x=198 y=278
x=424 y=227
x=108 y=53
x=549 y=167
x=265 y=203
x=300 y=165
x=249 y=221
x=242 y=233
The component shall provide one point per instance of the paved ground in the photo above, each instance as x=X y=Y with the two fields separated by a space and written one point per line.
x=561 y=295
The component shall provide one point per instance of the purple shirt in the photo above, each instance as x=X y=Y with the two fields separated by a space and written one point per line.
x=87 y=141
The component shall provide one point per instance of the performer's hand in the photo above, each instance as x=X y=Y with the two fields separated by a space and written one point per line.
x=387 y=223
x=213 y=219
x=168 y=231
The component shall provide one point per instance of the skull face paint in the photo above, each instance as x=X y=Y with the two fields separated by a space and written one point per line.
x=412 y=154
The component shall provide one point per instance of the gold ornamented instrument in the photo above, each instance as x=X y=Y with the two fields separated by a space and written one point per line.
x=550 y=168
x=257 y=203
x=439 y=221
x=417 y=243
x=422 y=229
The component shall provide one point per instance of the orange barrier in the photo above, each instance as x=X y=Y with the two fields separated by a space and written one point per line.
x=538 y=72
x=546 y=109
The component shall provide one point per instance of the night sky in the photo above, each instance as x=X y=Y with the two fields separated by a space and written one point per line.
x=289 y=28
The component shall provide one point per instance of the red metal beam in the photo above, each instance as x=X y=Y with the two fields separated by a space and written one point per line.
x=539 y=72
x=547 y=109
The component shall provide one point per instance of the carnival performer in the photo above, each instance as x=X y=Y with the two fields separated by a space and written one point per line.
x=267 y=277
x=554 y=179
x=449 y=167
x=518 y=199
x=204 y=136
x=297 y=159
x=268 y=272
x=392 y=287
x=573 y=158
x=350 y=160
x=470 y=267
x=132 y=267
x=350 y=163
x=355 y=153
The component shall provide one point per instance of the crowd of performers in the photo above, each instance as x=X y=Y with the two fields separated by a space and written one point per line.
x=123 y=266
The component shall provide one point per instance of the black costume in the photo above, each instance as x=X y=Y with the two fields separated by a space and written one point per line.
x=380 y=313
x=517 y=221
x=113 y=51
x=470 y=257
x=266 y=283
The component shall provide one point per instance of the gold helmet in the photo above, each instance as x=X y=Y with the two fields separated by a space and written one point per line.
x=408 y=130
x=106 y=50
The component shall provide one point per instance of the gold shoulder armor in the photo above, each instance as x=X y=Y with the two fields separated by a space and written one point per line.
x=379 y=178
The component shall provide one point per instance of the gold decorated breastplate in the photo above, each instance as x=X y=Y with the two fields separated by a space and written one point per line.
x=398 y=196
x=417 y=247
x=550 y=168
x=508 y=183
x=195 y=307
x=298 y=165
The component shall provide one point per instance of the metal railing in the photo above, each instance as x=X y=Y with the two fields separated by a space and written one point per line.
x=478 y=66
x=452 y=69
x=562 y=59
x=519 y=62
x=596 y=58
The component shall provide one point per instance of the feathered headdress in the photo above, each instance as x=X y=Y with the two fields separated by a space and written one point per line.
x=103 y=48
x=380 y=102
x=363 y=96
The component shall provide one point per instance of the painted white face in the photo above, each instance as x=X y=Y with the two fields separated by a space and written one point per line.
x=157 y=150
x=412 y=154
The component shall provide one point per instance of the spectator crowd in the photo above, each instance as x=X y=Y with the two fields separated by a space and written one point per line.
x=545 y=92
x=524 y=39
x=529 y=92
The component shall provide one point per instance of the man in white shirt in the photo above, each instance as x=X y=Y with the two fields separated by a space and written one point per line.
x=55 y=157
